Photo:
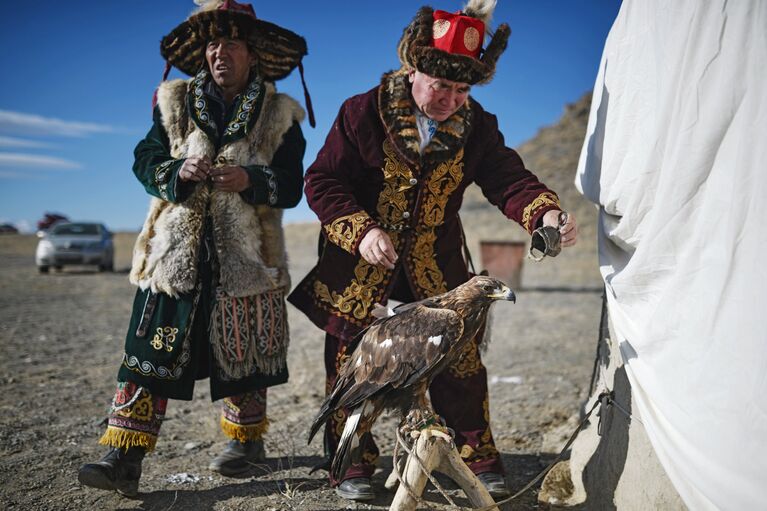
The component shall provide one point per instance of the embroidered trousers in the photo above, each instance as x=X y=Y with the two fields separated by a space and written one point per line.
x=459 y=395
x=136 y=416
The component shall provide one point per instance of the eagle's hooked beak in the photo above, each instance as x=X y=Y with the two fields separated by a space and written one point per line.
x=503 y=293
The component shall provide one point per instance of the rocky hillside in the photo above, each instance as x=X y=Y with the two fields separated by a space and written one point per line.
x=553 y=155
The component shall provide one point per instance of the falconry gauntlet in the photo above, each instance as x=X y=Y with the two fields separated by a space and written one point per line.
x=546 y=240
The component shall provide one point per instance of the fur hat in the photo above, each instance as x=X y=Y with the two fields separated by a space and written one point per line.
x=424 y=45
x=279 y=50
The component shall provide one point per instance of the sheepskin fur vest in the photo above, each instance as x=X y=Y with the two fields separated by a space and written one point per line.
x=249 y=239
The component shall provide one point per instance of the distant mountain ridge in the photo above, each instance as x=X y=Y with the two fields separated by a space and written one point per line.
x=552 y=154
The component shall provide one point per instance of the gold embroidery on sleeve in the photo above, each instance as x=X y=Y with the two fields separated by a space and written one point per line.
x=544 y=199
x=343 y=231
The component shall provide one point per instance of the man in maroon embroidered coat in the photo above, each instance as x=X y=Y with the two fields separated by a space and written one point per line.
x=387 y=187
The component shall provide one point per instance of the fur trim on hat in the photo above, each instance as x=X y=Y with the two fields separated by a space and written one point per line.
x=279 y=50
x=415 y=48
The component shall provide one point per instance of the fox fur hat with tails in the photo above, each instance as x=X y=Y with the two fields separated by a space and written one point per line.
x=450 y=45
x=279 y=50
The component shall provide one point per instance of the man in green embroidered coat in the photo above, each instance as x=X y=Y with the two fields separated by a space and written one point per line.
x=223 y=157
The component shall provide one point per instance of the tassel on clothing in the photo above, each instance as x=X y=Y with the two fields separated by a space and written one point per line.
x=125 y=438
x=244 y=433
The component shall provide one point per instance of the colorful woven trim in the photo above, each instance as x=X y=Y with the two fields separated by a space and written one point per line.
x=249 y=333
x=135 y=418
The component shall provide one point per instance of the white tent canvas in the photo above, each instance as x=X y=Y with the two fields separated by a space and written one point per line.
x=675 y=158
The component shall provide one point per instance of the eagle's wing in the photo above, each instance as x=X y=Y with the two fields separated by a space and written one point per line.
x=397 y=351
x=393 y=352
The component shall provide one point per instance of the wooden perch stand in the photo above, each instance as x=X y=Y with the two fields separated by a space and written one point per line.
x=433 y=450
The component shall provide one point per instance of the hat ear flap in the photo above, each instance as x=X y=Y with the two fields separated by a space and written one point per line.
x=494 y=50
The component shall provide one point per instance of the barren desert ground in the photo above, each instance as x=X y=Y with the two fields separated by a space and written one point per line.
x=61 y=339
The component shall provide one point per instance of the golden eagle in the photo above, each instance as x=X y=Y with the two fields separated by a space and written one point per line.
x=397 y=357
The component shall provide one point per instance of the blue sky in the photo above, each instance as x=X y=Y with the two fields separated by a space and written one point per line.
x=78 y=79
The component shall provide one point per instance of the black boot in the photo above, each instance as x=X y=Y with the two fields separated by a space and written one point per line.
x=238 y=457
x=119 y=470
x=357 y=488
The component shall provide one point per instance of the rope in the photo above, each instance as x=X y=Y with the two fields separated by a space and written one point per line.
x=605 y=398
x=546 y=470
x=426 y=471
x=602 y=336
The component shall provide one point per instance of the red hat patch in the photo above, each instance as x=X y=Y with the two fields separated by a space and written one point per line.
x=456 y=33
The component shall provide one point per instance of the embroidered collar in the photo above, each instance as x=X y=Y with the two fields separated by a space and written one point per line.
x=396 y=109
x=246 y=108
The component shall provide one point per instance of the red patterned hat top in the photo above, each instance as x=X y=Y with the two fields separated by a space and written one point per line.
x=458 y=34
x=231 y=5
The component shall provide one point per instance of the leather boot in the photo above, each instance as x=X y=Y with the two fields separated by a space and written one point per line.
x=356 y=488
x=238 y=457
x=119 y=470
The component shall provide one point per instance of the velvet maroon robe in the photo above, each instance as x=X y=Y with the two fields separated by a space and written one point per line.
x=370 y=173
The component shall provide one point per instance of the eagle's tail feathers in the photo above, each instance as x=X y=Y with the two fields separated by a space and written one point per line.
x=326 y=410
x=347 y=443
x=329 y=406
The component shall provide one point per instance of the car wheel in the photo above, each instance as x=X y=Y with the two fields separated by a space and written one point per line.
x=43 y=269
x=58 y=267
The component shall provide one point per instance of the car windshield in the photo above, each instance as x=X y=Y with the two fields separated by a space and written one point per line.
x=76 y=229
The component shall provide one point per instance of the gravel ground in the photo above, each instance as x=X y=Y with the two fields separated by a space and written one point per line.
x=61 y=338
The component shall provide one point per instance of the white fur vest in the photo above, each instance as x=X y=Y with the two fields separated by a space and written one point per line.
x=249 y=239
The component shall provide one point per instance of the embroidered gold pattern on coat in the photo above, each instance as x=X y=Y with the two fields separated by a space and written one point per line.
x=468 y=363
x=398 y=178
x=343 y=231
x=358 y=296
x=338 y=419
x=164 y=338
x=486 y=447
x=443 y=181
x=428 y=276
x=544 y=199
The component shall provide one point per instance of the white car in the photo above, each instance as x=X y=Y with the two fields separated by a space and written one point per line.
x=75 y=243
